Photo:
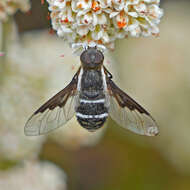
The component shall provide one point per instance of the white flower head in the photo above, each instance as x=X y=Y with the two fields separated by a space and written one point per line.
x=9 y=7
x=34 y=175
x=104 y=21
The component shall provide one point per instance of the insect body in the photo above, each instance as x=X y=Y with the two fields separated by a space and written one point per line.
x=92 y=96
x=92 y=111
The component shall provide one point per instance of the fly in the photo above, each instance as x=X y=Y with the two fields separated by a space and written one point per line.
x=92 y=97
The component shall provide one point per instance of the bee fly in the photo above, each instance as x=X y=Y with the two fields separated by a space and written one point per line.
x=92 y=96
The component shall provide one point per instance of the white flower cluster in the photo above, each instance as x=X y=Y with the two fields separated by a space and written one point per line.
x=103 y=21
x=14 y=145
x=33 y=175
x=9 y=7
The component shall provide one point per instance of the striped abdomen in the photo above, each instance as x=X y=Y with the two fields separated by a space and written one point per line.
x=92 y=114
x=92 y=111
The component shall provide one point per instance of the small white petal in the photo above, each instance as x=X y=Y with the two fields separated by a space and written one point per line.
x=101 y=19
x=133 y=14
x=113 y=14
x=66 y=30
x=95 y=19
x=82 y=30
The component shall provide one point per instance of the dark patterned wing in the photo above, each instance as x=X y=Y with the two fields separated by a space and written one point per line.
x=55 y=112
x=128 y=113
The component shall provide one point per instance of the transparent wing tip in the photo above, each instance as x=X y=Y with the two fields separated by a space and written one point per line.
x=30 y=128
x=34 y=126
x=30 y=132
x=152 y=127
x=152 y=131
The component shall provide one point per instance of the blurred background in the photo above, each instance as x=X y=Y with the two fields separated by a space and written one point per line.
x=154 y=71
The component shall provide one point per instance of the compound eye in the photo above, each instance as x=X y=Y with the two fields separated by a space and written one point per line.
x=99 y=57
x=84 y=57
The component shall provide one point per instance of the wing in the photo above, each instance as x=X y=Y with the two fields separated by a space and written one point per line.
x=55 y=112
x=128 y=113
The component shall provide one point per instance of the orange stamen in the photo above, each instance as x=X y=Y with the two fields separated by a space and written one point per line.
x=80 y=6
x=48 y=16
x=95 y=6
x=66 y=20
x=122 y=13
x=68 y=3
x=121 y=24
x=100 y=42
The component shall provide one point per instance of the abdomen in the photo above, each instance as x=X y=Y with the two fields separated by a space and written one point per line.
x=92 y=111
x=92 y=114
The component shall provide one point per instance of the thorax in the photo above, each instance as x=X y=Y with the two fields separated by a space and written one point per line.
x=91 y=80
